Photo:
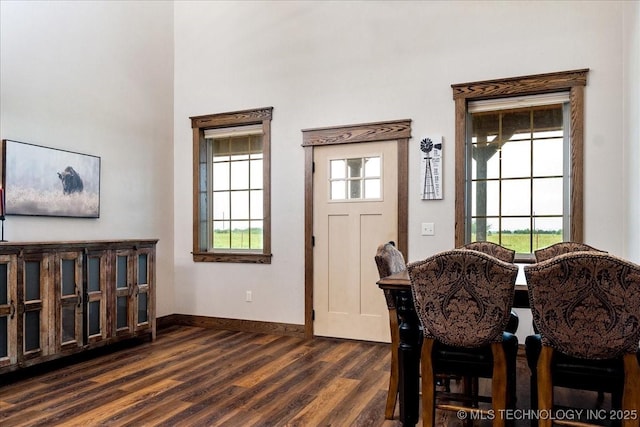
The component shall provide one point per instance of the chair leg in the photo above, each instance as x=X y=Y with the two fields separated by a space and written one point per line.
x=394 y=376
x=545 y=385
x=392 y=394
x=498 y=384
x=631 y=393
x=428 y=385
x=533 y=397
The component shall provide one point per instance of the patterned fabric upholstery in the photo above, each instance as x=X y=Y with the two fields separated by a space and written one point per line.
x=462 y=297
x=562 y=248
x=586 y=304
x=389 y=261
x=493 y=249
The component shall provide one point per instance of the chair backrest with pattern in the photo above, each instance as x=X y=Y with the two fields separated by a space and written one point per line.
x=389 y=260
x=463 y=297
x=586 y=304
x=562 y=248
x=493 y=249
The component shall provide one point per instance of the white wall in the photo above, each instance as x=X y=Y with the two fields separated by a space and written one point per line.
x=96 y=78
x=631 y=55
x=331 y=63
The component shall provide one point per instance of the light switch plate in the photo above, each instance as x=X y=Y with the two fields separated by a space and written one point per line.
x=428 y=229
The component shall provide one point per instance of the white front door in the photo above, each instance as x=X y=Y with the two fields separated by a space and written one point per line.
x=355 y=209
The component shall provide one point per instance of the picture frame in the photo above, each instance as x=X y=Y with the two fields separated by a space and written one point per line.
x=44 y=181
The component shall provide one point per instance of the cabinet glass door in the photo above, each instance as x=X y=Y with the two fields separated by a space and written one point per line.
x=8 y=307
x=69 y=282
x=34 y=343
x=123 y=293
x=97 y=328
x=142 y=315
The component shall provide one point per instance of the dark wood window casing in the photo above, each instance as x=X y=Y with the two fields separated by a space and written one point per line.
x=260 y=116
x=573 y=81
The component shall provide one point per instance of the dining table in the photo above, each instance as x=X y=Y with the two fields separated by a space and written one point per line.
x=410 y=341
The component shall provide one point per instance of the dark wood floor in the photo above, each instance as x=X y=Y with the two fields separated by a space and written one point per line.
x=200 y=377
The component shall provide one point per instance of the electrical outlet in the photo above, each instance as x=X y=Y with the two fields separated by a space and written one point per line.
x=428 y=229
x=249 y=296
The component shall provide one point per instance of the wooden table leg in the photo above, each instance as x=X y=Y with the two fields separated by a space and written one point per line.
x=409 y=358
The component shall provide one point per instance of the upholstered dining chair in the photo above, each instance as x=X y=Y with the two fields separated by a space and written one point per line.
x=503 y=254
x=562 y=248
x=543 y=255
x=586 y=306
x=463 y=299
x=390 y=261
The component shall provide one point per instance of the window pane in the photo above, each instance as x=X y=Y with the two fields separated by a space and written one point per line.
x=240 y=148
x=239 y=175
x=239 y=205
x=338 y=190
x=338 y=169
x=256 y=234
x=485 y=198
x=516 y=197
x=221 y=234
x=355 y=189
x=257 y=211
x=485 y=162
x=221 y=176
x=354 y=166
x=516 y=159
x=547 y=157
x=221 y=207
x=239 y=234
x=372 y=167
x=547 y=196
x=256 y=174
x=516 y=234
x=372 y=189
x=547 y=231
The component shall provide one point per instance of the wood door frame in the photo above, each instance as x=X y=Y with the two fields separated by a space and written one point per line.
x=399 y=131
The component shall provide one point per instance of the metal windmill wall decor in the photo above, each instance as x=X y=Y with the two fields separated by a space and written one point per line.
x=431 y=170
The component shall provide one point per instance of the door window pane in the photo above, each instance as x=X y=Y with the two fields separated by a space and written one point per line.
x=121 y=272
x=4 y=284
x=93 y=279
x=142 y=269
x=31 y=330
x=142 y=308
x=121 y=312
x=32 y=280
x=94 y=318
x=4 y=336
x=68 y=277
x=68 y=324
x=355 y=179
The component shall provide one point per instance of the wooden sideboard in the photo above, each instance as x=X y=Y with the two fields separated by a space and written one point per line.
x=61 y=298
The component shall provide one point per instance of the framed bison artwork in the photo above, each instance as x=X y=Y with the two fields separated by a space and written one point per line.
x=46 y=181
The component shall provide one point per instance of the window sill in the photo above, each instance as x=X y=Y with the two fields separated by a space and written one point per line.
x=247 y=258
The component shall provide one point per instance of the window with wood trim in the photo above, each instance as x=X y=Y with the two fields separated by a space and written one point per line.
x=231 y=181
x=519 y=161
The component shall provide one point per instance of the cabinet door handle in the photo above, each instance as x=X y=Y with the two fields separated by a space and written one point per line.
x=79 y=298
x=13 y=309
